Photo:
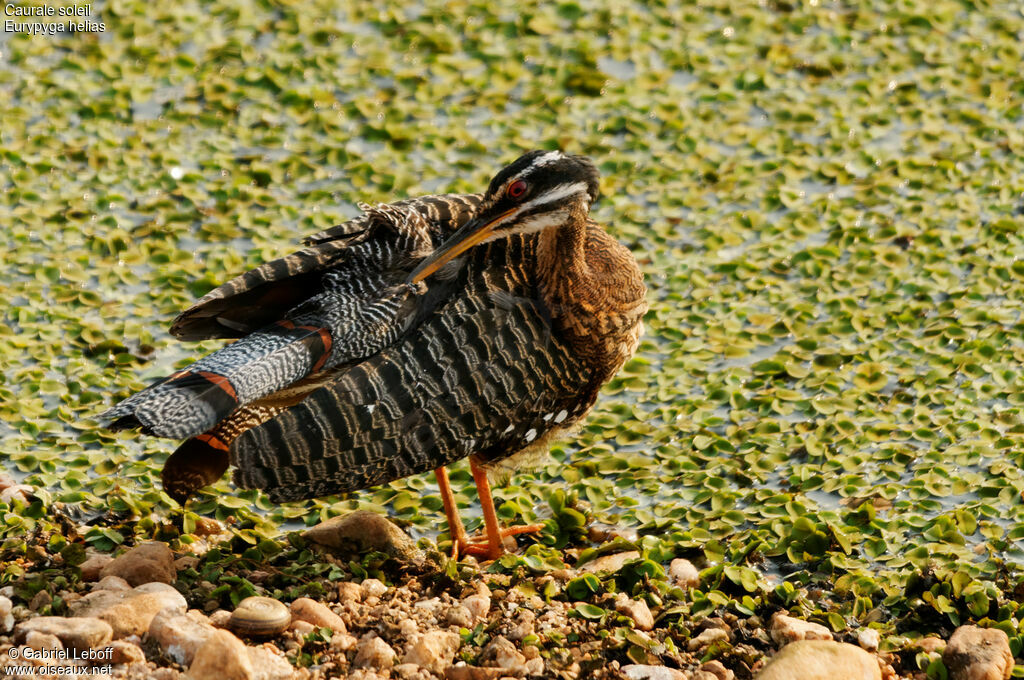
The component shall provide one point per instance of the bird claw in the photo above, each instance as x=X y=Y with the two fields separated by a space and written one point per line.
x=480 y=546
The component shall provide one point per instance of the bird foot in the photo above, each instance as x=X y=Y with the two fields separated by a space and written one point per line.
x=480 y=546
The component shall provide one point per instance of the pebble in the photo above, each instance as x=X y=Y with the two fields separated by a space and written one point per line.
x=372 y=587
x=179 y=635
x=79 y=633
x=974 y=653
x=501 y=653
x=459 y=616
x=609 y=563
x=111 y=583
x=6 y=618
x=301 y=627
x=787 y=629
x=464 y=672
x=259 y=617
x=349 y=592
x=311 y=611
x=222 y=657
x=682 y=573
x=869 y=639
x=363 y=531
x=39 y=641
x=270 y=664
x=716 y=670
x=434 y=650
x=342 y=642
x=645 y=672
x=147 y=562
x=373 y=652
x=477 y=606
x=524 y=626
x=821 y=660
x=636 y=610
x=930 y=645
x=129 y=612
x=122 y=651
x=93 y=565
x=707 y=637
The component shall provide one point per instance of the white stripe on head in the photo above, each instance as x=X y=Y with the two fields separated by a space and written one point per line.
x=546 y=159
x=556 y=193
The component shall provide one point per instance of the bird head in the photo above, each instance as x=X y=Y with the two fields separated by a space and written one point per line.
x=537 y=191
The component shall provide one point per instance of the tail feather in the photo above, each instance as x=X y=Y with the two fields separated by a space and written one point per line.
x=194 y=400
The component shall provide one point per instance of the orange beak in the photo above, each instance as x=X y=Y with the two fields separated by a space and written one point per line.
x=470 y=234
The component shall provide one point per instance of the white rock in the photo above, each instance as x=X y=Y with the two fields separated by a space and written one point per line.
x=372 y=652
x=683 y=574
x=706 y=638
x=434 y=650
x=869 y=639
x=636 y=610
x=644 y=672
x=787 y=629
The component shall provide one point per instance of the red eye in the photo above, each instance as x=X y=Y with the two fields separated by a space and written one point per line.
x=516 y=189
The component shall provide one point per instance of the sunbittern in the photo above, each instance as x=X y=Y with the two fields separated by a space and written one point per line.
x=420 y=333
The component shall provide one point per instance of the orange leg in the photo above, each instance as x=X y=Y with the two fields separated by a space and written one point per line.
x=455 y=528
x=495 y=534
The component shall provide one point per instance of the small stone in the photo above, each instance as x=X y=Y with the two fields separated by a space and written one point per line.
x=6 y=618
x=301 y=627
x=372 y=652
x=93 y=565
x=40 y=600
x=220 y=618
x=609 y=563
x=821 y=660
x=208 y=526
x=869 y=639
x=187 y=562
x=682 y=573
x=408 y=628
x=464 y=672
x=363 y=531
x=269 y=664
x=342 y=642
x=317 y=614
x=523 y=626
x=39 y=641
x=644 y=672
x=406 y=671
x=259 y=617
x=459 y=616
x=535 y=666
x=716 y=670
x=147 y=562
x=707 y=637
x=636 y=610
x=501 y=653
x=122 y=651
x=477 y=606
x=975 y=653
x=222 y=657
x=349 y=592
x=434 y=650
x=80 y=633
x=179 y=635
x=372 y=587
x=787 y=629
x=129 y=612
x=111 y=583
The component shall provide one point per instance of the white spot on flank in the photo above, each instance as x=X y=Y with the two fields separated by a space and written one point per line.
x=370 y=407
x=549 y=417
x=531 y=434
x=561 y=416
x=509 y=429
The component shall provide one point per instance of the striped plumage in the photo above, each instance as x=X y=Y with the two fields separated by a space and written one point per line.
x=423 y=332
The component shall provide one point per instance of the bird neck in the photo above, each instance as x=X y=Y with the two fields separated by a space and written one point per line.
x=593 y=290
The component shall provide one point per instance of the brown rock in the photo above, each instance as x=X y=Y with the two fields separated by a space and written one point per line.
x=636 y=610
x=464 y=672
x=362 y=531
x=301 y=627
x=500 y=653
x=821 y=660
x=269 y=664
x=434 y=650
x=372 y=652
x=609 y=563
x=145 y=563
x=40 y=600
x=122 y=651
x=130 y=612
x=717 y=670
x=349 y=592
x=930 y=645
x=317 y=614
x=975 y=653
x=682 y=573
x=222 y=657
x=111 y=583
x=93 y=565
x=459 y=616
x=79 y=633
x=179 y=635
x=786 y=629
x=707 y=637
x=644 y=672
x=39 y=641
